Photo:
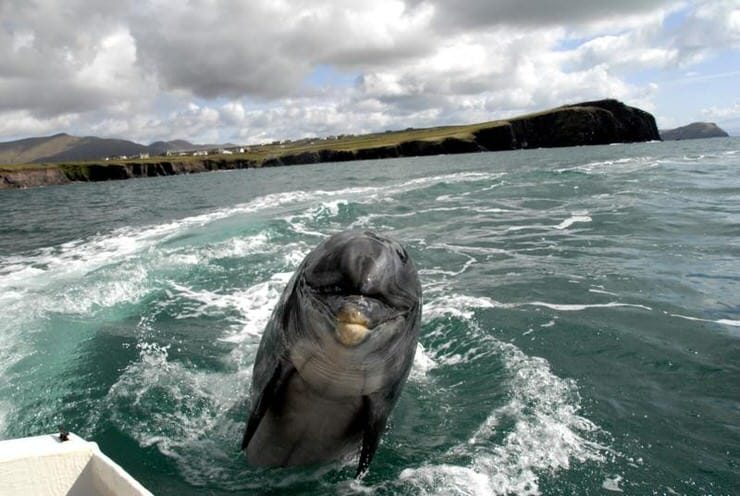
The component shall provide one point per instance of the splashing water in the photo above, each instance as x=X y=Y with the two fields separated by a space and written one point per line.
x=578 y=328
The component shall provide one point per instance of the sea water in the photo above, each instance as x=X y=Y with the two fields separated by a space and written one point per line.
x=580 y=330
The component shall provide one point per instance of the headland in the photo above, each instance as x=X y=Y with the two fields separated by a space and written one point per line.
x=589 y=123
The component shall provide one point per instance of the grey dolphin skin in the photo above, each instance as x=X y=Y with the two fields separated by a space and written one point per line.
x=335 y=355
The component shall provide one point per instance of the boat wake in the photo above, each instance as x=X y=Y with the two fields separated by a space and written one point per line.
x=182 y=306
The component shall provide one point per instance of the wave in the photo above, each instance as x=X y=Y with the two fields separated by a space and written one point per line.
x=126 y=265
x=192 y=416
x=576 y=217
x=548 y=433
x=85 y=255
x=727 y=322
x=461 y=306
x=620 y=165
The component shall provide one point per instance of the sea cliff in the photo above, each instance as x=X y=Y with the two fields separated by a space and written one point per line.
x=589 y=123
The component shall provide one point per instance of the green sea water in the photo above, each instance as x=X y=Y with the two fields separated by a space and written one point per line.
x=580 y=331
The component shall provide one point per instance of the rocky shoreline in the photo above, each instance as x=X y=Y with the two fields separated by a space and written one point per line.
x=590 y=123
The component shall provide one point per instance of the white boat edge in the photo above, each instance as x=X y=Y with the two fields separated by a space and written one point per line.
x=47 y=466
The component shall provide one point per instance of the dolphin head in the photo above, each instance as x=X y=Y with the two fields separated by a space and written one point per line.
x=354 y=311
x=365 y=282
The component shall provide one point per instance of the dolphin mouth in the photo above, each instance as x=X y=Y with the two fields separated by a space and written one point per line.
x=351 y=325
x=352 y=317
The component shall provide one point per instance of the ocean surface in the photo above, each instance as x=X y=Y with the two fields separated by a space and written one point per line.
x=580 y=331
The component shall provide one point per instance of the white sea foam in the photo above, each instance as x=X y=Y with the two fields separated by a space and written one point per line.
x=295 y=253
x=54 y=278
x=734 y=323
x=728 y=322
x=122 y=284
x=182 y=411
x=463 y=306
x=581 y=216
x=459 y=306
x=79 y=257
x=372 y=218
x=612 y=484
x=482 y=210
x=601 y=291
x=480 y=250
x=77 y=278
x=330 y=201
x=329 y=208
x=369 y=194
x=253 y=304
x=533 y=227
x=578 y=307
x=84 y=277
x=423 y=363
x=622 y=165
x=548 y=433
x=576 y=217
x=232 y=248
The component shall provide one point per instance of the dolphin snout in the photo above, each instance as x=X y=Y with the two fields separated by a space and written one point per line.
x=352 y=325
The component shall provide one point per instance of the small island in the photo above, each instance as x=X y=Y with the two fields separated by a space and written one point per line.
x=695 y=130
x=590 y=123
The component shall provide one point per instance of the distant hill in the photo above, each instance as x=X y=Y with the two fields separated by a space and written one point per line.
x=162 y=147
x=29 y=149
x=695 y=130
x=66 y=148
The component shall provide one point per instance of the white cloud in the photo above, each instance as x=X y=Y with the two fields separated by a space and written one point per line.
x=631 y=50
x=265 y=49
x=232 y=113
x=231 y=70
x=23 y=123
x=708 y=28
x=732 y=111
x=113 y=63
x=22 y=40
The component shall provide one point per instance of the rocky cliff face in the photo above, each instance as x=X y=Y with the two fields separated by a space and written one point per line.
x=695 y=130
x=591 y=123
x=30 y=178
x=92 y=172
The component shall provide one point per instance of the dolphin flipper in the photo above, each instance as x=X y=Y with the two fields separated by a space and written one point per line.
x=375 y=411
x=270 y=395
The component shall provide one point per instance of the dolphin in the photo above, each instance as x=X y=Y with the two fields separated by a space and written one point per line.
x=335 y=354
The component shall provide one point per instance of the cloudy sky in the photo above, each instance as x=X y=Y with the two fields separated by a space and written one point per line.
x=257 y=70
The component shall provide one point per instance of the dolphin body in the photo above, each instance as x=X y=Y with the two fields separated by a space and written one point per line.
x=335 y=355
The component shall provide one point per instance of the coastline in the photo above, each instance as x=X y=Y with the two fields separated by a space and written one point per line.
x=589 y=123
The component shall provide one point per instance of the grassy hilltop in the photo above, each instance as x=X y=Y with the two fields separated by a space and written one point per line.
x=590 y=123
